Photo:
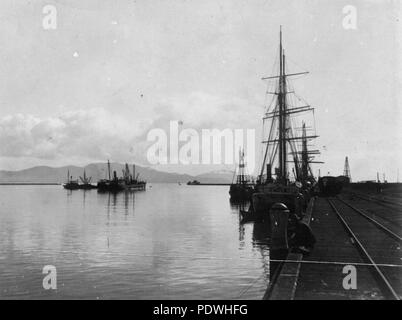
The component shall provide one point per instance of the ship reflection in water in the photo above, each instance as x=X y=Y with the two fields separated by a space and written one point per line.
x=173 y=241
x=260 y=236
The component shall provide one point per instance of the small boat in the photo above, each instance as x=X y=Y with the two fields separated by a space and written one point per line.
x=86 y=183
x=193 y=183
x=132 y=181
x=71 y=184
x=242 y=189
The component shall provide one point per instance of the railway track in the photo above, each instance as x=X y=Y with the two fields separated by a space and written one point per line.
x=393 y=204
x=380 y=224
x=377 y=244
x=389 y=214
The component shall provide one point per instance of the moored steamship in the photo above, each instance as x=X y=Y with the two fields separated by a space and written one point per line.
x=129 y=181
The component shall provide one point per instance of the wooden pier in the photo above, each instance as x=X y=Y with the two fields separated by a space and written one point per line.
x=352 y=232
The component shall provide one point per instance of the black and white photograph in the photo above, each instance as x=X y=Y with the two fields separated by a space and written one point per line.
x=219 y=151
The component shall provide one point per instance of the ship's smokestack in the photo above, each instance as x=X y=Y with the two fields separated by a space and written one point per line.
x=269 y=174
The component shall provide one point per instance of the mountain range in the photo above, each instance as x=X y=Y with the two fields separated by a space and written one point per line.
x=45 y=174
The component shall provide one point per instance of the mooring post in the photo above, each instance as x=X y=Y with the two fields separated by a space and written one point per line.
x=279 y=215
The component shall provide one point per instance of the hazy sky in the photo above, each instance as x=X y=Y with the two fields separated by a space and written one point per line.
x=112 y=70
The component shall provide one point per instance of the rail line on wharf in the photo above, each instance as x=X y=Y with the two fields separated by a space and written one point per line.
x=389 y=215
x=380 y=225
x=393 y=204
x=376 y=243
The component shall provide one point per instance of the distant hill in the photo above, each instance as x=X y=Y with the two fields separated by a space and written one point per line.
x=44 y=174
x=221 y=176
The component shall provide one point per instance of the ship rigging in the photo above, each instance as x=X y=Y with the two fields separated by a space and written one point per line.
x=282 y=139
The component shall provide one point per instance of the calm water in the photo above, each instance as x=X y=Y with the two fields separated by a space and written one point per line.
x=169 y=242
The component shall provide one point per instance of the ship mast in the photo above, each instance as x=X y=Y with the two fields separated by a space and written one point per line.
x=241 y=177
x=285 y=136
x=305 y=159
x=108 y=168
x=282 y=114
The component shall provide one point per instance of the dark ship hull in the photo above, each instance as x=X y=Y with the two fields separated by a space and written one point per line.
x=110 y=186
x=266 y=196
x=136 y=186
x=193 y=183
x=87 y=186
x=116 y=186
x=239 y=192
x=71 y=186
x=120 y=185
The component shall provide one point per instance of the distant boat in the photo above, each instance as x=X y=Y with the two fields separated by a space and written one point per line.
x=129 y=181
x=242 y=189
x=194 y=182
x=71 y=184
x=86 y=182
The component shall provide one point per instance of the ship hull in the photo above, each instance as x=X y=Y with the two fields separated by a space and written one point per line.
x=266 y=196
x=240 y=192
x=136 y=186
x=252 y=216
x=120 y=186
x=110 y=186
x=71 y=186
x=87 y=186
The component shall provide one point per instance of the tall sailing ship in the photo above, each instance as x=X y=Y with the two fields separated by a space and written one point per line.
x=285 y=150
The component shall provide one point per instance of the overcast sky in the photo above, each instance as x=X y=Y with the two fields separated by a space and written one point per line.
x=113 y=70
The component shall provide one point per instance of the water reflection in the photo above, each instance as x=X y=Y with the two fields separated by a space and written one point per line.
x=168 y=242
x=239 y=205
x=261 y=234
x=260 y=240
x=117 y=201
x=84 y=192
